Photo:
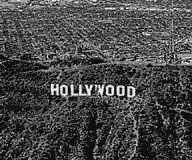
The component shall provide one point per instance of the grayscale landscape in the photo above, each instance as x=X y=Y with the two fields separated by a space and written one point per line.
x=146 y=44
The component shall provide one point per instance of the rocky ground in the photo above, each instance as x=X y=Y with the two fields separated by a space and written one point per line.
x=155 y=124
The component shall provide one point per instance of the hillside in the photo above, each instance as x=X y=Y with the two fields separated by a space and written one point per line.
x=52 y=127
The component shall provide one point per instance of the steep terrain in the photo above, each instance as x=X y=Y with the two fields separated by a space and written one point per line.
x=35 y=125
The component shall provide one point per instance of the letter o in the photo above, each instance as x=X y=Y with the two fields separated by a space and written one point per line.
x=62 y=89
x=108 y=87
x=121 y=88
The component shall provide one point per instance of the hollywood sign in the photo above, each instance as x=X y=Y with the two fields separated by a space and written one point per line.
x=92 y=90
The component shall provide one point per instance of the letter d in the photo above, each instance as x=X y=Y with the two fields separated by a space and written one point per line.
x=130 y=91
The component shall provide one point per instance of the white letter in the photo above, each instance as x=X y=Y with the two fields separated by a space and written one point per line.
x=72 y=91
x=122 y=88
x=54 y=89
x=62 y=90
x=89 y=89
x=101 y=90
x=130 y=91
x=81 y=90
x=112 y=90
